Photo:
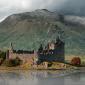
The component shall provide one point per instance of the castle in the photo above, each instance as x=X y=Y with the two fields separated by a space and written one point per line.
x=24 y=55
x=51 y=53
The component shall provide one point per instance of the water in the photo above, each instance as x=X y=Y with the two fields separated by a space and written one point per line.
x=41 y=78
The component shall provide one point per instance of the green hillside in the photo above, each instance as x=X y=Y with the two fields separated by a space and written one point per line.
x=29 y=30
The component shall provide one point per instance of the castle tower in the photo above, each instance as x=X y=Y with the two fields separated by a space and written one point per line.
x=60 y=49
x=11 y=47
x=9 y=52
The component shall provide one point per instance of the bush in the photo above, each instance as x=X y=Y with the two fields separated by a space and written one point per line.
x=3 y=55
x=13 y=62
x=76 y=61
x=1 y=61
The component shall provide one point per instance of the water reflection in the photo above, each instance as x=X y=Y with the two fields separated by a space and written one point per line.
x=77 y=78
x=41 y=78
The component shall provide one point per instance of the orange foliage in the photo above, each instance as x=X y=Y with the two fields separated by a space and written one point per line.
x=76 y=61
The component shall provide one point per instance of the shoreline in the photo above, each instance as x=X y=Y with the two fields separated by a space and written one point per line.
x=7 y=69
x=70 y=69
x=55 y=73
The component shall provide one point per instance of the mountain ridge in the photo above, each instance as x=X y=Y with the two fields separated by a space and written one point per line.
x=30 y=29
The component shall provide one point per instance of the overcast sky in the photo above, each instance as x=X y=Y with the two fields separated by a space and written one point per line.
x=8 y=7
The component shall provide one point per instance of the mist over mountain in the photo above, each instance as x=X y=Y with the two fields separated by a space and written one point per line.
x=73 y=7
x=30 y=29
x=66 y=7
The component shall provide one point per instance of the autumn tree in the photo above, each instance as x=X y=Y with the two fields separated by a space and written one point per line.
x=76 y=61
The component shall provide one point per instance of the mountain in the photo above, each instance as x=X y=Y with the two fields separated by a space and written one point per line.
x=29 y=30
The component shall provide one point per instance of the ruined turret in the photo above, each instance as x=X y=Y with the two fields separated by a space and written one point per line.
x=11 y=47
x=9 y=51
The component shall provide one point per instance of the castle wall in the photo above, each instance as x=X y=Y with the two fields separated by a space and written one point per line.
x=25 y=57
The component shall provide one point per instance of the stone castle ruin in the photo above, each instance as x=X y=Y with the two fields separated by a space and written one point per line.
x=24 y=55
x=53 y=52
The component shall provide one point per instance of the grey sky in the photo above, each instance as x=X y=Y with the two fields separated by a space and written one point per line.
x=8 y=7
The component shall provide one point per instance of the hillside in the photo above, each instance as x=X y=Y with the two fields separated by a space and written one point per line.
x=29 y=30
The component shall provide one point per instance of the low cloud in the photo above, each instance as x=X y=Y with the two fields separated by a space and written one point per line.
x=8 y=7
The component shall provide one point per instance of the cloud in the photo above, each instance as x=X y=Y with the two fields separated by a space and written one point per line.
x=8 y=7
x=74 y=7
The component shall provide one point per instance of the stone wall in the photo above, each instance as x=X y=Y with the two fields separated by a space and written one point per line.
x=25 y=57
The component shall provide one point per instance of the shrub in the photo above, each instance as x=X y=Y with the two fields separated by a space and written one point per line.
x=76 y=61
x=1 y=61
x=13 y=62
x=3 y=55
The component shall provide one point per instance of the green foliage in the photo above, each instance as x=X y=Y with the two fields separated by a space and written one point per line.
x=3 y=55
x=1 y=61
x=13 y=62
